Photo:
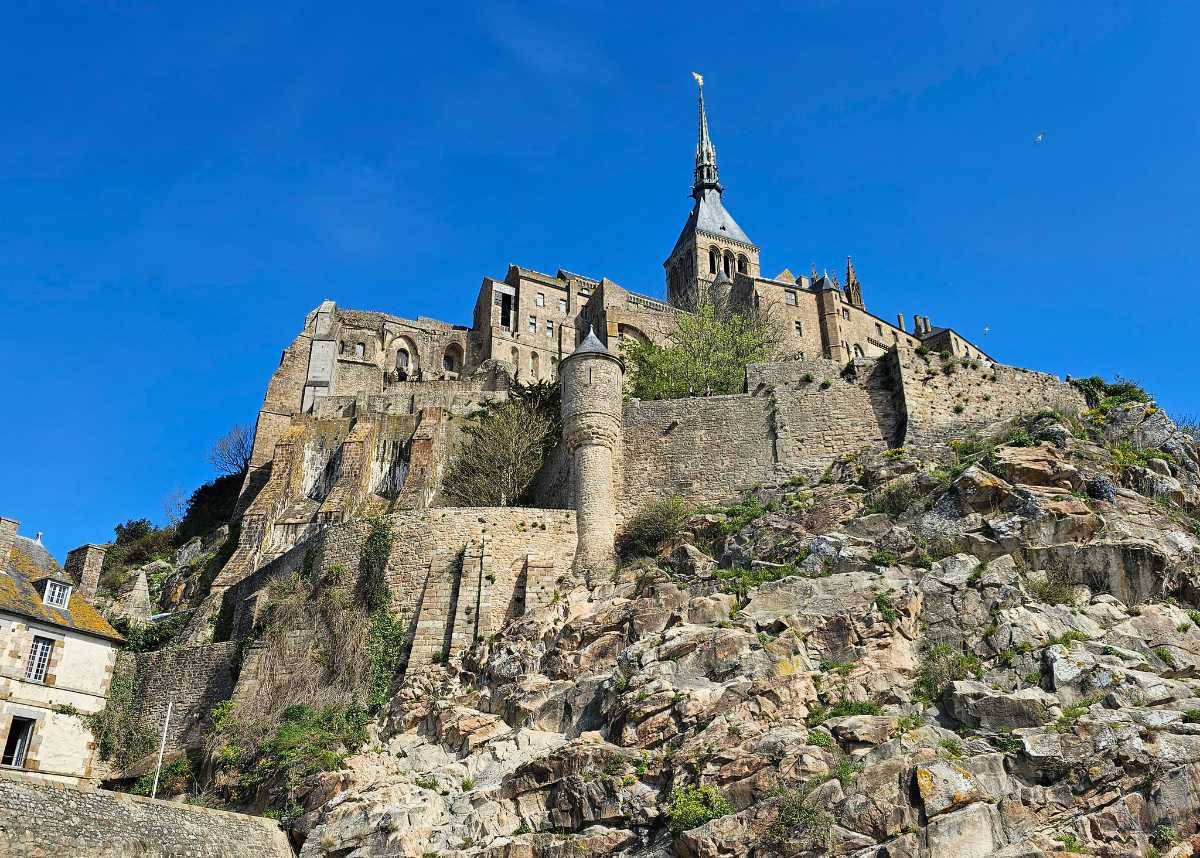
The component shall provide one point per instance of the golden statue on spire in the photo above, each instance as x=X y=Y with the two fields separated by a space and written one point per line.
x=699 y=78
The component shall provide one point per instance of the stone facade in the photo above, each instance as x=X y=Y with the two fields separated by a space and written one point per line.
x=43 y=820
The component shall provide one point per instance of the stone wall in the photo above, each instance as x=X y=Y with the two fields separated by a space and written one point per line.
x=946 y=397
x=196 y=678
x=706 y=449
x=43 y=820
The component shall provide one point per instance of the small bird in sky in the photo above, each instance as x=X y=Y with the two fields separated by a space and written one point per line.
x=1041 y=137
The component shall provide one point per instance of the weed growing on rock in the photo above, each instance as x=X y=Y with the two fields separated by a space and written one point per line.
x=1054 y=588
x=819 y=713
x=692 y=806
x=654 y=523
x=799 y=826
x=939 y=666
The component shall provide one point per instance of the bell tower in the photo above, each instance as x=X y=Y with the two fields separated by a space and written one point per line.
x=711 y=241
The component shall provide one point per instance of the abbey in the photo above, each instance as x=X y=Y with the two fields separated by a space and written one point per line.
x=366 y=408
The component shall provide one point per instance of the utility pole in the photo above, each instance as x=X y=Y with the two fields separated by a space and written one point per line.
x=162 y=745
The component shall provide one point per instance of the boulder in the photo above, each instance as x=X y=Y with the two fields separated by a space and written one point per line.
x=979 y=705
x=944 y=786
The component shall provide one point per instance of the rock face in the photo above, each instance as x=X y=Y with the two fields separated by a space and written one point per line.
x=957 y=652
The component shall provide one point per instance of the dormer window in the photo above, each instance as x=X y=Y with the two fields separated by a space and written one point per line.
x=57 y=594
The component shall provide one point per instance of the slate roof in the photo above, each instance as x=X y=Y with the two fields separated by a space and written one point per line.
x=709 y=215
x=28 y=562
x=591 y=345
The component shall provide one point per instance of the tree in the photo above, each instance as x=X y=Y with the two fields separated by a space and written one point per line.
x=230 y=455
x=504 y=453
x=707 y=355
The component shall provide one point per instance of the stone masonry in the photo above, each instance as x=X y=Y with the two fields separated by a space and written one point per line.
x=44 y=820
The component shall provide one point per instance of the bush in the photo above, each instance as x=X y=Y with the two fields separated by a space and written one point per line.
x=655 y=522
x=799 y=827
x=692 y=806
x=1055 y=589
x=176 y=777
x=739 y=582
x=209 y=507
x=819 y=714
x=743 y=512
x=939 y=666
x=147 y=637
x=1104 y=397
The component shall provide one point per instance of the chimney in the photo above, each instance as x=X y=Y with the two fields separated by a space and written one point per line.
x=8 y=533
x=84 y=565
x=900 y=321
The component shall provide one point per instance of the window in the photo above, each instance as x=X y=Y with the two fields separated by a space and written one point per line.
x=17 y=744
x=540 y=300
x=895 y=337
x=533 y=365
x=452 y=360
x=553 y=367
x=728 y=263
x=879 y=330
x=532 y=323
x=562 y=305
x=57 y=594
x=858 y=352
x=712 y=260
x=799 y=328
x=743 y=265
x=39 y=659
x=789 y=297
x=342 y=347
x=845 y=314
x=507 y=319
x=360 y=349
x=549 y=328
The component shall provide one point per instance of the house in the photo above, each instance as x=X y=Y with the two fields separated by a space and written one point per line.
x=57 y=655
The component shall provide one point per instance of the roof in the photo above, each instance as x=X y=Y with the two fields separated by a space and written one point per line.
x=709 y=215
x=23 y=568
x=591 y=345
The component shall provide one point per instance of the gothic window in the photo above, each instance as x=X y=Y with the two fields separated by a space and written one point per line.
x=743 y=264
x=402 y=359
x=728 y=263
x=516 y=359
x=712 y=260
x=553 y=368
x=533 y=365
x=452 y=360
x=342 y=347
x=360 y=350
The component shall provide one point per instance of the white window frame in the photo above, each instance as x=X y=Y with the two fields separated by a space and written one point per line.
x=58 y=594
x=562 y=305
x=549 y=328
x=39 y=658
x=532 y=323
x=21 y=752
x=540 y=299
x=789 y=297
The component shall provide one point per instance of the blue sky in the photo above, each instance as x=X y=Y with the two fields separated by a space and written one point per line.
x=181 y=183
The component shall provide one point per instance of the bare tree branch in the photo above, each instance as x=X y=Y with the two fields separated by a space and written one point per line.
x=230 y=454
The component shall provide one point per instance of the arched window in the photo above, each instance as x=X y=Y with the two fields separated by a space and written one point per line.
x=403 y=360
x=360 y=350
x=533 y=366
x=516 y=358
x=553 y=368
x=452 y=360
x=728 y=263
x=858 y=352
x=342 y=347
x=712 y=260
x=743 y=264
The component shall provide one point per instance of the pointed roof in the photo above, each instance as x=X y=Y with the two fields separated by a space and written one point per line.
x=591 y=344
x=706 y=176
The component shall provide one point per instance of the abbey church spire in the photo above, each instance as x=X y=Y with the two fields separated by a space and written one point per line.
x=711 y=241
x=706 y=153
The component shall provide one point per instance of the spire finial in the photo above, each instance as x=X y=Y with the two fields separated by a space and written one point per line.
x=706 y=153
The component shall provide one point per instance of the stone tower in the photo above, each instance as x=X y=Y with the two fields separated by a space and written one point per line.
x=591 y=379
x=711 y=241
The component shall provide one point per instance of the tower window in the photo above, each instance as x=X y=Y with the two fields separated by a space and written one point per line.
x=712 y=260
x=799 y=328
x=728 y=263
x=845 y=314
x=540 y=300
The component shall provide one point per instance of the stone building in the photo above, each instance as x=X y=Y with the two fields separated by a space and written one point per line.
x=57 y=658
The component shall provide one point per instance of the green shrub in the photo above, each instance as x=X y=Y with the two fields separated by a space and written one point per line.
x=1127 y=454
x=692 y=806
x=939 y=666
x=1164 y=836
x=952 y=748
x=820 y=739
x=1164 y=655
x=1055 y=589
x=883 y=557
x=1104 y=397
x=819 y=713
x=1191 y=716
x=146 y=637
x=428 y=782
x=799 y=826
x=743 y=512
x=739 y=582
x=177 y=777
x=654 y=523
x=1019 y=437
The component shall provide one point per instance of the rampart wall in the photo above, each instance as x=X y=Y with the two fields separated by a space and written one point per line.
x=44 y=820
x=196 y=678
